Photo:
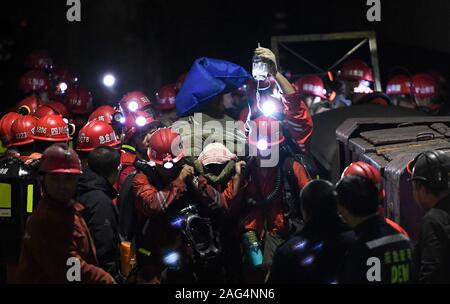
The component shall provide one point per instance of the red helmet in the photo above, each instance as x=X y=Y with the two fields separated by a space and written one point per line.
x=58 y=107
x=267 y=133
x=424 y=86
x=399 y=85
x=51 y=128
x=180 y=81
x=29 y=105
x=165 y=98
x=44 y=110
x=103 y=113
x=356 y=70
x=134 y=122
x=34 y=81
x=22 y=130
x=95 y=134
x=61 y=75
x=165 y=146
x=134 y=101
x=363 y=169
x=311 y=85
x=6 y=123
x=79 y=101
x=60 y=159
x=39 y=60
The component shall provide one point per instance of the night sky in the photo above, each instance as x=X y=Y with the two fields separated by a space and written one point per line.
x=149 y=43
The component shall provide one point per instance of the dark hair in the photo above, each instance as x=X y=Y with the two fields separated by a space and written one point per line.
x=318 y=199
x=104 y=161
x=358 y=195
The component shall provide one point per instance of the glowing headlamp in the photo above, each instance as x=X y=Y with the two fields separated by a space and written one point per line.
x=141 y=121
x=168 y=164
x=262 y=144
x=133 y=106
x=171 y=259
x=62 y=87
x=268 y=108
x=109 y=80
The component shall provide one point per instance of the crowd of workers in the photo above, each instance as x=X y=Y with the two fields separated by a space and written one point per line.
x=136 y=195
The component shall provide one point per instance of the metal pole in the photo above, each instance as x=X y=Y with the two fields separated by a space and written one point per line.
x=375 y=64
x=302 y=58
x=348 y=54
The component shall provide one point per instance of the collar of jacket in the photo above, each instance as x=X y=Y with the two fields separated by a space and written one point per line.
x=367 y=225
x=90 y=181
x=444 y=204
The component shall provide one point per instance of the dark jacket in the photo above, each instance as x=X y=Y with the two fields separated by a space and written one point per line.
x=380 y=255
x=54 y=234
x=313 y=255
x=101 y=216
x=433 y=250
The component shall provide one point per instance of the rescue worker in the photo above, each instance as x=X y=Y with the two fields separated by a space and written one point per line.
x=368 y=171
x=95 y=134
x=274 y=181
x=35 y=82
x=49 y=130
x=426 y=94
x=223 y=171
x=297 y=119
x=29 y=105
x=380 y=253
x=108 y=114
x=312 y=92
x=22 y=130
x=136 y=129
x=314 y=255
x=6 y=135
x=164 y=106
x=161 y=193
x=400 y=90
x=95 y=192
x=56 y=232
x=79 y=101
x=431 y=191
x=357 y=79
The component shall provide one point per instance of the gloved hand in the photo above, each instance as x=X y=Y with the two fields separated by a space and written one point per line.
x=270 y=57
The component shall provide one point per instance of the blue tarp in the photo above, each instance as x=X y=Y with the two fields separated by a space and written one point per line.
x=208 y=79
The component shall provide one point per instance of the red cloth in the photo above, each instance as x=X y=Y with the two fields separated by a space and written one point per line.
x=55 y=233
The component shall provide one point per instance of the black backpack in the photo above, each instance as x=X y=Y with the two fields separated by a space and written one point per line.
x=19 y=195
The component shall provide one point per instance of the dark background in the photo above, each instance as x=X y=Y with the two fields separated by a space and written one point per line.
x=147 y=44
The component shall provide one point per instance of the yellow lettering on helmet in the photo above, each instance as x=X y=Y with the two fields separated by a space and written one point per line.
x=30 y=192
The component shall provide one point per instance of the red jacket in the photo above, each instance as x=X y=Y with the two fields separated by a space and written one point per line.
x=55 y=233
x=260 y=184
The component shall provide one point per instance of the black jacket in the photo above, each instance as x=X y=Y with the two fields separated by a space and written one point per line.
x=433 y=250
x=313 y=255
x=101 y=216
x=380 y=255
